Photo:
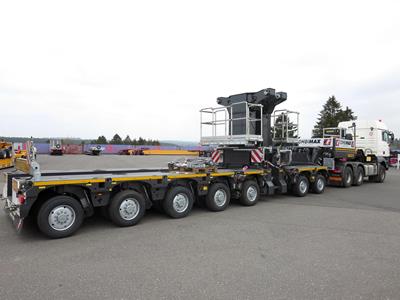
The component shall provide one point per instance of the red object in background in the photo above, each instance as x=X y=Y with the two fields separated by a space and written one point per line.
x=72 y=149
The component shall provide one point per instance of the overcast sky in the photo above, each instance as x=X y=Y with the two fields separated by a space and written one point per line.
x=146 y=68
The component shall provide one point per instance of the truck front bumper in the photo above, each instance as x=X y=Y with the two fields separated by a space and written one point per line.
x=13 y=211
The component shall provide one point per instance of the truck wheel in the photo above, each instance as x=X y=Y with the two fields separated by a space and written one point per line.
x=359 y=180
x=318 y=186
x=347 y=178
x=8 y=153
x=2 y=154
x=301 y=187
x=127 y=208
x=381 y=174
x=218 y=197
x=250 y=193
x=178 y=202
x=60 y=216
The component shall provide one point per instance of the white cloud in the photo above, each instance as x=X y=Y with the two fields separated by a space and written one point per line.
x=85 y=68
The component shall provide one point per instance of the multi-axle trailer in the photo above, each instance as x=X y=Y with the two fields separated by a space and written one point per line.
x=61 y=200
x=252 y=159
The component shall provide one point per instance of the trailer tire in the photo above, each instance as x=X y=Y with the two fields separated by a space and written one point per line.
x=347 y=179
x=359 y=180
x=319 y=184
x=218 y=197
x=127 y=208
x=301 y=187
x=381 y=174
x=178 y=202
x=60 y=216
x=250 y=193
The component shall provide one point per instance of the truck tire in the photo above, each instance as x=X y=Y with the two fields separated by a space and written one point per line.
x=301 y=187
x=127 y=208
x=60 y=216
x=250 y=193
x=347 y=177
x=2 y=154
x=381 y=174
x=178 y=202
x=319 y=184
x=218 y=197
x=359 y=180
x=7 y=153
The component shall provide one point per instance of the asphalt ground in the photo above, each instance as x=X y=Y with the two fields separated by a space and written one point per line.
x=344 y=244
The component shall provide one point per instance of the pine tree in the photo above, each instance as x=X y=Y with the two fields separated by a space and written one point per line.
x=127 y=140
x=116 y=140
x=331 y=115
x=100 y=140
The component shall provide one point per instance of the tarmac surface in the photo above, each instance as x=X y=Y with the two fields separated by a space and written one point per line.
x=344 y=244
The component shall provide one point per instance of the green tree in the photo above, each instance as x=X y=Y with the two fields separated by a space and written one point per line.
x=127 y=140
x=141 y=141
x=330 y=116
x=116 y=140
x=100 y=140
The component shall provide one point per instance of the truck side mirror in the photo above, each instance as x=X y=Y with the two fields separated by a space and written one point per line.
x=391 y=137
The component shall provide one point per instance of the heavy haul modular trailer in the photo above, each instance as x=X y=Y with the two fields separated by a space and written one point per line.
x=61 y=200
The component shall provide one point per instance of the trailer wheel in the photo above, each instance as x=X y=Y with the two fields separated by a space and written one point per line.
x=301 y=187
x=127 y=208
x=381 y=174
x=359 y=180
x=60 y=217
x=178 y=202
x=250 y=193
x=347 y=179
x=218 y=197
x=318 y=186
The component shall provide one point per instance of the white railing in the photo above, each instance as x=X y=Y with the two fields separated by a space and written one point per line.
x=218 y=126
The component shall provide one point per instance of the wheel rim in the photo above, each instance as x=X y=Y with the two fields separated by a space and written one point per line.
x=360 y=177
x=320 y=184
x=180 y=202
x=303 y=186
x=383 y=174
x=61 y=217
x=129 y=209
x=220 y=197
x=251 y=193
x=348 y=179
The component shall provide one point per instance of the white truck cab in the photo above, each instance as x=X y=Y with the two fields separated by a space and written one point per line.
x=372 y=137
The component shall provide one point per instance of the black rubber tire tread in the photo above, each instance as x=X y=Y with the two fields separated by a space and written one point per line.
x=113 y=208
x=47 y=206
x=243 y=196
x=359 y=180
x=347 y=172
x=296 y=187
x=210 y=203
x=314 y=187
x=167 y=203
x=381 y=174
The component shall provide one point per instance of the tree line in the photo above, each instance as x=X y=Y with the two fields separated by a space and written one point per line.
x=117 y=140
x=331 y=115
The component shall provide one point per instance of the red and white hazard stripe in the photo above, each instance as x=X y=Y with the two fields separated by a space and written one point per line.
x=216 y=156
x=257 y=155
